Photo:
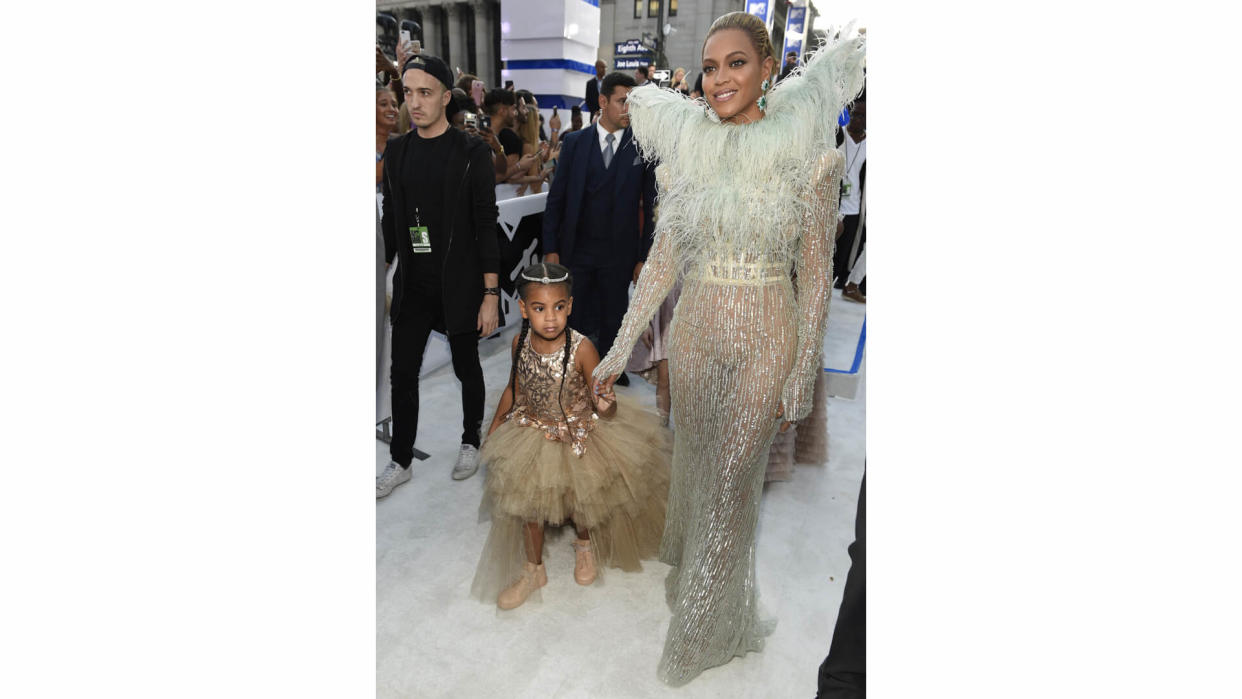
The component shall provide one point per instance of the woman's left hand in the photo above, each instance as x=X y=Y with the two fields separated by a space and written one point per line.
x=780 y=410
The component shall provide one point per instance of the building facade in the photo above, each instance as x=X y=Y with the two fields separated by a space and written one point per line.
x=549 y=46
x=465 y=34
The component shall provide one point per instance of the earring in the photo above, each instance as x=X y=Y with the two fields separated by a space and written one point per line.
x=763 y=103
x=765 y=85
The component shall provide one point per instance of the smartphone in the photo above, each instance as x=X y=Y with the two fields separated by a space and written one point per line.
x=476 y=92
x=485 y=122
x=472 y=120
x=416 y=46
x=405 y=36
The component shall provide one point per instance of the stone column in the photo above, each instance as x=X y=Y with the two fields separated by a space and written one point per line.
x=457 y=45
x=484 y=52
x=431 y=31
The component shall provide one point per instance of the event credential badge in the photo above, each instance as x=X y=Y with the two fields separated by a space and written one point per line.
x=419 y=240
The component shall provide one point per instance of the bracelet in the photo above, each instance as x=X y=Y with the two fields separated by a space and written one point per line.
x=491 y=290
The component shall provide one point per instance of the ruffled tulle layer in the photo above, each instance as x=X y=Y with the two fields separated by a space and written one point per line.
x=617 y=490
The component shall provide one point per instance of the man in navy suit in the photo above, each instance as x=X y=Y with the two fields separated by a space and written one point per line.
x=592 y=220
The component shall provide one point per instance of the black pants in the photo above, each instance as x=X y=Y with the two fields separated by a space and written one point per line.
x=601 y=295
x=419 y=316
x=844 y=672
x=841 y=261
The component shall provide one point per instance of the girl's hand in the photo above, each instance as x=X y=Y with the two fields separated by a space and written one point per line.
x=605 y=403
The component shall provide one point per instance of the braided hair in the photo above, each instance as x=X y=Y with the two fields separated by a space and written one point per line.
x=532 y=274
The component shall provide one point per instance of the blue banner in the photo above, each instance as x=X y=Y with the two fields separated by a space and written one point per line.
x=795 y=31
x=761 y=9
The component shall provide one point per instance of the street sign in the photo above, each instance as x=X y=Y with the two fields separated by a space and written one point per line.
x=630 y=47
x=632 y=63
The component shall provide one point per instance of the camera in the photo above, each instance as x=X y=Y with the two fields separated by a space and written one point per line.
x=472 y=120
x=485 y=122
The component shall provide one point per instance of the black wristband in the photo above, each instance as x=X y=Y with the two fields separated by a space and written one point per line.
x=493 y=290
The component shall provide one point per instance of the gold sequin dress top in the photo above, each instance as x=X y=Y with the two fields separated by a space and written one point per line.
x=553 y=459
x=739 y=208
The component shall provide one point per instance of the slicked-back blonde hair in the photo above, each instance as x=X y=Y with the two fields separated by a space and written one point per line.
x=753 y=27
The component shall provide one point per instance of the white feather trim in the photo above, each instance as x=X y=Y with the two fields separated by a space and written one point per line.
x=740 y=191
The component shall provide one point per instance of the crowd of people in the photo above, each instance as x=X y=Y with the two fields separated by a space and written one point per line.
x=749 y=283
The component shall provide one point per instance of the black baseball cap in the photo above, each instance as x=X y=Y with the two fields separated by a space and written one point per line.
x=433 y=65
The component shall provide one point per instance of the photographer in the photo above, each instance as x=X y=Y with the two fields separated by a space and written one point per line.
x=440 y=222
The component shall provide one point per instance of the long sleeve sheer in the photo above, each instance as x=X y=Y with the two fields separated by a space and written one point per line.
x=814 y=269
x=654 y=283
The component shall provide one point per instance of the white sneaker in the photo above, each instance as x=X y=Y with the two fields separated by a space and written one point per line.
x=467 y=463
x=392 y=477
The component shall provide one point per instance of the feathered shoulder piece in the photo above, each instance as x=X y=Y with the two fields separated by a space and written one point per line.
x=747 y=186
x=803 y=107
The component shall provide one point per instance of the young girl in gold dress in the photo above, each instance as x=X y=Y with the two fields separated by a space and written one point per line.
x=555 y=452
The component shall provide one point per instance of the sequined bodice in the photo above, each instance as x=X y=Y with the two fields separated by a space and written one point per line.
x=562 y=409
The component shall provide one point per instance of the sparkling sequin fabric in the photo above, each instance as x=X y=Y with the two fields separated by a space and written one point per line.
x=743 y=343
x=609 y=475
x=540 y=403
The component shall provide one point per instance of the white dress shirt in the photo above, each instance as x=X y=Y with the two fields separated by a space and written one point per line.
x=855 y=155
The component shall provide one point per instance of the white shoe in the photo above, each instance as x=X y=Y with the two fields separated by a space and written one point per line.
x=392 y=477
x=467 y=463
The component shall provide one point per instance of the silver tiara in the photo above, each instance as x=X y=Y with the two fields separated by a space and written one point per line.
x=546 y=280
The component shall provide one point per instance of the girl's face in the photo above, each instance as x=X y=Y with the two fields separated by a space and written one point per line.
x=385 y=109
x=547 y=307
x=733 y=75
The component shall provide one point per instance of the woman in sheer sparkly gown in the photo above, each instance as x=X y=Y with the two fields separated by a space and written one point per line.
x=748 y=185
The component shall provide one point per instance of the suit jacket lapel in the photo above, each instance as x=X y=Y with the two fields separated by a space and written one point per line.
x=626 y=137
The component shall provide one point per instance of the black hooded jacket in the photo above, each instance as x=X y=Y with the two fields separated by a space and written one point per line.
x=470 y=221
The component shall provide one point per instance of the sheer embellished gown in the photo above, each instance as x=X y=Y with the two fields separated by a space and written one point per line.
x=739 y=209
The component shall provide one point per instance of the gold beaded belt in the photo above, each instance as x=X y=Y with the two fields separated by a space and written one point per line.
x=742 y=274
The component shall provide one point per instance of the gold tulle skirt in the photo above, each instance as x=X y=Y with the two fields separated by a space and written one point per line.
x=617 y=490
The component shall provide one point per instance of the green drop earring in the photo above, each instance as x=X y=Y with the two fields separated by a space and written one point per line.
x=763 y=99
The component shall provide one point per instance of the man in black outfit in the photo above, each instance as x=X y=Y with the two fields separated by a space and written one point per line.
x=440 y=223
x=598 y=218
x=843 y=675
x=592 y=88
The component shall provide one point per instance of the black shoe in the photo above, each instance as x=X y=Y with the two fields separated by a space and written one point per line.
x=622 y=379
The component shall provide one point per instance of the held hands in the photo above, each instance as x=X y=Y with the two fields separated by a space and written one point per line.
x=638 y=269
x=555 y=259
x=489 y=316
x=605 y=397
x=780 y=410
